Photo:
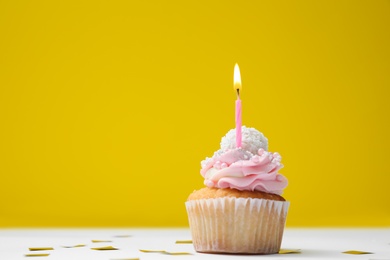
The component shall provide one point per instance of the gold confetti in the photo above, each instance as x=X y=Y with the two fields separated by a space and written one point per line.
x=32 y=255
x=40 y=248
x=176 y=253
x=164 y=252
x=152 y=251
x=105 y=248
x=356 y=252
x=79 y=245
x=289 y=251
x=184 y=242
x=100 y=241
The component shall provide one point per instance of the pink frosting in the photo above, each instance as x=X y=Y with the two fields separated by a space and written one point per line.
x=240 y=169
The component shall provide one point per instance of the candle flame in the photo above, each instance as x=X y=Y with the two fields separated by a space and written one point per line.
x=237 y=79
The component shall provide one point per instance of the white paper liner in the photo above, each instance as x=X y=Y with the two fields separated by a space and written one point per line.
x=237 y=225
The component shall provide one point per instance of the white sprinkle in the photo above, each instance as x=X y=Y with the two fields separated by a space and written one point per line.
x=252 y=140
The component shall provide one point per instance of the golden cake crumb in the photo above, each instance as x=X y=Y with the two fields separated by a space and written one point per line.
x=212 y=193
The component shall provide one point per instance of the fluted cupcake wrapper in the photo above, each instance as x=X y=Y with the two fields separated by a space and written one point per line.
x=237 y=225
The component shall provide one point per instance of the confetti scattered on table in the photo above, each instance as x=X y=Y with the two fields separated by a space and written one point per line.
x=184 y=242
x=79 y=245
x=164 y=252
x=100 y=241
x=151 y=251
x=123 y=236
x=289 y=251
x=356 y=252
x=40 y=248
x=104 y=248
x=34 y=255
x=176 y=253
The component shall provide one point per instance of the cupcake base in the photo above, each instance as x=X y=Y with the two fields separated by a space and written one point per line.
x=232 y=225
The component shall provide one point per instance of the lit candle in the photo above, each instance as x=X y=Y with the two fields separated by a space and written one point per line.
x=237 y=87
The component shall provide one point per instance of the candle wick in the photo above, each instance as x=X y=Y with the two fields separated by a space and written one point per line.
x=238 y=93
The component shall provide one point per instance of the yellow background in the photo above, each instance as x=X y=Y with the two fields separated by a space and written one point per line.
x=108 y=107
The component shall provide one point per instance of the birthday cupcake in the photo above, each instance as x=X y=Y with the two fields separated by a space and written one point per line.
x=241 y=210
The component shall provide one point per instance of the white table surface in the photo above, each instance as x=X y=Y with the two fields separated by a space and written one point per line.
x=313 y=243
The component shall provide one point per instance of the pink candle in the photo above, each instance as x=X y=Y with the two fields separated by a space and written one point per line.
x=238 y=122
x=237 y=87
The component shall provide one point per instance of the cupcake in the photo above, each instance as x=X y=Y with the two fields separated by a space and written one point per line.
x=241 y=210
